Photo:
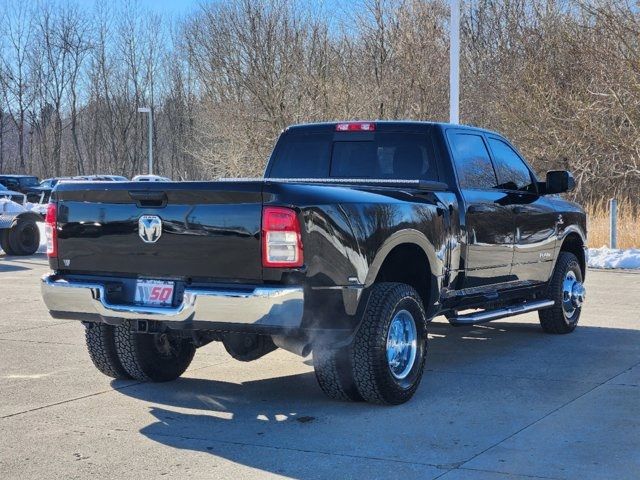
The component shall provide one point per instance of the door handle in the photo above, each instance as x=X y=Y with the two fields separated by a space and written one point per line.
x=481 y=208
x=147 y=195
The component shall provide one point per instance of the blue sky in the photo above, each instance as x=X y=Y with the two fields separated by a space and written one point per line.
x=334 y=9
x=178 y=9
x=164 y=7
x=170 y=7
x=183 y=7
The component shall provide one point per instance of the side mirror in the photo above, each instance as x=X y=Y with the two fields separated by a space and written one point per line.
x=559 y=181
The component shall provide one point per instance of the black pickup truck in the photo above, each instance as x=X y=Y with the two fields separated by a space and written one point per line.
x=359 y=234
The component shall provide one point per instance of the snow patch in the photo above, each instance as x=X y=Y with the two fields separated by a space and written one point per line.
x=40 y=208
x=7 y=206
x=604 y=257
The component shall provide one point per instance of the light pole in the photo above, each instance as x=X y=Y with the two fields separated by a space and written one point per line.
x=150 y=112
x=454 y=63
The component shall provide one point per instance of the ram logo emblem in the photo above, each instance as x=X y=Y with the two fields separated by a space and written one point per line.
x=149 y=228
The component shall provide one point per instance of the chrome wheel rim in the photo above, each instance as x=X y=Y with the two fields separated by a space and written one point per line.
x=402 y=344
x=573 y=294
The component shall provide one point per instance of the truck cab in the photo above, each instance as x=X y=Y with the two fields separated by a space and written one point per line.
x=19 y=183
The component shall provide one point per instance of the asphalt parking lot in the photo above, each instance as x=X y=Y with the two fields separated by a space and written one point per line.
x=499 y=401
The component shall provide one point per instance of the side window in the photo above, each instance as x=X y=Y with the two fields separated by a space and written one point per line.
x=472 y=161
x=12 y=184
x=512 y=173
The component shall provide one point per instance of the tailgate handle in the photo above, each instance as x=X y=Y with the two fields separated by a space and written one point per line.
x=146 y=198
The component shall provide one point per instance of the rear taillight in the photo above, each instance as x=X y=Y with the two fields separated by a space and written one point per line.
x=356 y=127
x=51 y=231
x=281 y=239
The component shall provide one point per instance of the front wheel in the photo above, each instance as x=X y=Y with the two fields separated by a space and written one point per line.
x=567 y=290
x=390 y=347
x=158 y=357
x=4 y=242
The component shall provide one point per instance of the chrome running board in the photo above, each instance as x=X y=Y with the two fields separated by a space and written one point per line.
x=488 y=315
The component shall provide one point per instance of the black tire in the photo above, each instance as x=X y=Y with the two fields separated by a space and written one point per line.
x=4 y=242
x=334 y=373
x=24 y=238
x=102 y=350
x=555 y=319
x=155 y=357
x=371 y=370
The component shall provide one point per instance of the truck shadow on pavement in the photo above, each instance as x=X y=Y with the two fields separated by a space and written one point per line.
x=17 y=264
x=11 y=263
x=9 y=267
x=512 y=373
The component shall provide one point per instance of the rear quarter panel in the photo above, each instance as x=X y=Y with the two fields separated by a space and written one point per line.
x=347 y=231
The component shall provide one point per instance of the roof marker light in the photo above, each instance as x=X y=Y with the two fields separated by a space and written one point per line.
x=356 y=127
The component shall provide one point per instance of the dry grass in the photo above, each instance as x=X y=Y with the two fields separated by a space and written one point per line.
x=628 y=224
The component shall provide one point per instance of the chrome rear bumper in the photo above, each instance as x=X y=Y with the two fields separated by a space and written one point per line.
x=260 y=305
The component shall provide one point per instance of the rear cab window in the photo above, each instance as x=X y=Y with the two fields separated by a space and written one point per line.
x=404 y=155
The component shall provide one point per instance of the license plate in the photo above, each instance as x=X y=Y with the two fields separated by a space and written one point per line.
x=154 y=292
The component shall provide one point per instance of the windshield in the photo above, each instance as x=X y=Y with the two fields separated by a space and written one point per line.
x=48 y=183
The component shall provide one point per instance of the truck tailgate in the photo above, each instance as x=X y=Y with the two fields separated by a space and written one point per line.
x=208 y=229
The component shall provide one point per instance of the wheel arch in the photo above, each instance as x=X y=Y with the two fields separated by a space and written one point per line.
x=400 y=259
x=573 y=241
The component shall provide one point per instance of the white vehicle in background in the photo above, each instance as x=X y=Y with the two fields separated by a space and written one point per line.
x=150 y=178
x=16 y=197
x=19 y=232
x=114 y=178
x=41 y=193
x=97 y=178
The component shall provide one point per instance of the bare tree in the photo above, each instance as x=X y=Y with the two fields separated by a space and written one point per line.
x=16 y=29
x=561 y=78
